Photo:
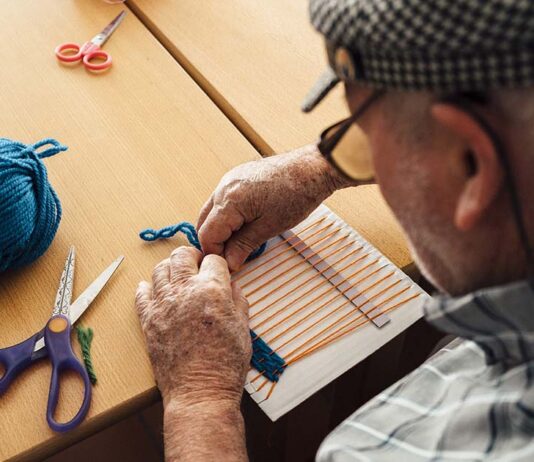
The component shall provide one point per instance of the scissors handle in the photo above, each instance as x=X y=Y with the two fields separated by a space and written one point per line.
x=57 y=338
x=86 y=53
x=16 y=358
x=98 y=65
x=75 y=51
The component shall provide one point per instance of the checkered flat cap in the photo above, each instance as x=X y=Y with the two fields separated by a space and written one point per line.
x=437 y=45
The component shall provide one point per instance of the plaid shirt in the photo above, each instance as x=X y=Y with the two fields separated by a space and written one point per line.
x=472 y=401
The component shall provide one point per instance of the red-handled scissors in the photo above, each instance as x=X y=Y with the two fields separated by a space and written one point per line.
x=89 y=51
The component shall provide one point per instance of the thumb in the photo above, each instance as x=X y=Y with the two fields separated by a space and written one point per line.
x=240 y=301
x=242 y=244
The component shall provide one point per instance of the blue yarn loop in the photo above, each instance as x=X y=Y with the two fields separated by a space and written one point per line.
x=30 y=210
x=264 y=358
x=190 y=232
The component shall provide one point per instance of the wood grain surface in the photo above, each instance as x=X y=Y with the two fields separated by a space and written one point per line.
x=257 y=60
x=146 y=148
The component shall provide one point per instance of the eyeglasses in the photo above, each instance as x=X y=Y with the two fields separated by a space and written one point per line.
x=346 y=149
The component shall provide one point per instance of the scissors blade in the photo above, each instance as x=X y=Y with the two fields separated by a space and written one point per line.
x=101 y=38
x=87 y=297
x=64 y=291
x=89 y=294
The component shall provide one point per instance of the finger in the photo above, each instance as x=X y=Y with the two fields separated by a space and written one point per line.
x=218 y=228
x=143 y=298
x=214 y=267
x=243 y=243
x=239 y=298
x=206 y=209
x=184 y=263
x=161 y=276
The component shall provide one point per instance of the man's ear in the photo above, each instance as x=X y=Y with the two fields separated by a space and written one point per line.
x=483 y=178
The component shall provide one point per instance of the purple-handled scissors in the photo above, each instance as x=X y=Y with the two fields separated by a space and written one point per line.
x=54 y=341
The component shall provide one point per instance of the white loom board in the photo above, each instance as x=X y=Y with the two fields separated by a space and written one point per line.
x=307 y=376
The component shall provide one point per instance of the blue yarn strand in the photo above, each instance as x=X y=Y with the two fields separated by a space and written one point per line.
x=190 y=232
x=264 y=359
x=183 y=227
x=30 y=210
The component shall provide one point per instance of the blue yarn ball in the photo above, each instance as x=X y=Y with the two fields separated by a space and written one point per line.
x=30 y=210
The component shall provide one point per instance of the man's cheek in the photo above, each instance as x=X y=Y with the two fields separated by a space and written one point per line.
x=386 y=175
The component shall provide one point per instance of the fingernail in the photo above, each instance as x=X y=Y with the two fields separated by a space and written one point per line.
x=233 y=260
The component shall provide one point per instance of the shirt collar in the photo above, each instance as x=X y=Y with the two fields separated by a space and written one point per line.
x=499 y=319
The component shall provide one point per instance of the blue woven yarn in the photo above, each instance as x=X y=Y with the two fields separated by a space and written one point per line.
x=265 y=360
x=30 y=210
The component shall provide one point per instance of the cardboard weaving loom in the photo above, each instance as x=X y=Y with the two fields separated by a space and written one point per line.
x=323 y=299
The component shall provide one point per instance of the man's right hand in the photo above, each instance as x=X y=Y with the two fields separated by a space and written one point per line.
x=258 y=200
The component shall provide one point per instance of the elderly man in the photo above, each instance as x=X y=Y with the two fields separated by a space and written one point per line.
x=444 y=92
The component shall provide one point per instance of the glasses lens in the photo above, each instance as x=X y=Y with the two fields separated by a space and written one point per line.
x=352 y=154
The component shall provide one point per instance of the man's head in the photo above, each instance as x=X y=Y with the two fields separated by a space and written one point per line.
x=441 y=175
x=436 y=165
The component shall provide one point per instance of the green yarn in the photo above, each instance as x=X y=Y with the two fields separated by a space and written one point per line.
x=85 y=337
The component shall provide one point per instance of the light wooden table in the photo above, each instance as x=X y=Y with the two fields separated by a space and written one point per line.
x=257 y=60
x=146 y=148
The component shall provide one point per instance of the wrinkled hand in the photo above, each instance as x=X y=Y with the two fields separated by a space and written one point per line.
x=196 y=327
x=258 y=200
